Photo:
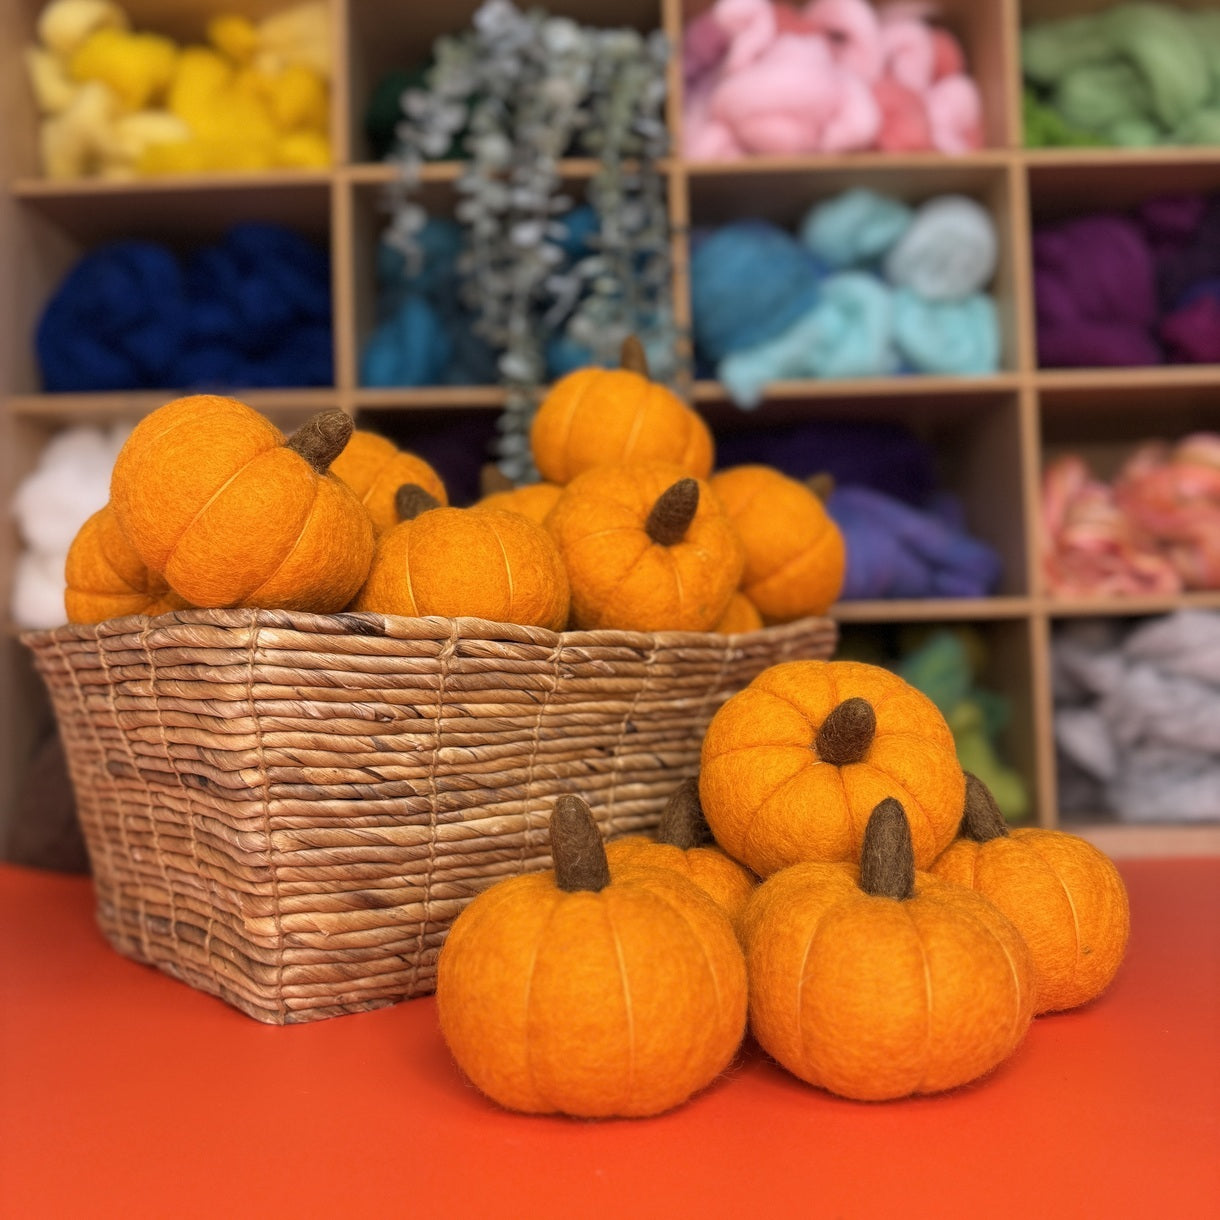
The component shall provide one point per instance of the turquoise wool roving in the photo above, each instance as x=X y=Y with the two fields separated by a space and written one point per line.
x=858 y=226
x=957 y=337
x=948 y=252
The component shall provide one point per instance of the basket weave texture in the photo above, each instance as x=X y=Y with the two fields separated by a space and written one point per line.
x=288 y=810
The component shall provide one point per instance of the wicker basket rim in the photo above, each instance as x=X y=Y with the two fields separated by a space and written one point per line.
x=424 y=628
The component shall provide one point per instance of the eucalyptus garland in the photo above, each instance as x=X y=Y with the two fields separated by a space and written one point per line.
x=517 y=92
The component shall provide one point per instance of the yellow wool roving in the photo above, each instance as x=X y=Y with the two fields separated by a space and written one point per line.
x=879 y=982
x=1064 y=896
x=793 y=765
x=576 y=992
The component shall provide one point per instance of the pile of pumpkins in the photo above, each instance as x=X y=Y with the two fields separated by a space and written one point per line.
x=832 y=877
x=211 y=506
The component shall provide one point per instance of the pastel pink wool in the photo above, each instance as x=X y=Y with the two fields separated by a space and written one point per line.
x=833 y=76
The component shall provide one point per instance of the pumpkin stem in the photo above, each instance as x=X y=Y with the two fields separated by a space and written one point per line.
x=847 y=733
x=632 y=356
x=683 y=824
x=821 y=484
x=981 y=819
x=673 y=512
x=887 y=859
x=492 y=479
x=320 y=439
x=410 y=500
x=577 y=850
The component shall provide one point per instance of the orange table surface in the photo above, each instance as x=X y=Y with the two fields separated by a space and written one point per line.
x=125 y=1093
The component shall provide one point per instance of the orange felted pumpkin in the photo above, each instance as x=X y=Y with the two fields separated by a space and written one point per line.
x=647 y=549
x=375 y=468
x=598 y=417
x=793 y=765
x=456 y=562
x=684 y=843
x=210 y=493
x=1064 y=896
x=741 y=616
x=576 y=992
x=795 y=557
x=107 y=579
x=534 y=500
x=878 y=982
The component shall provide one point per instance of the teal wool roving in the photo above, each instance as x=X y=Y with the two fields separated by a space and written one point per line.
x=856 y=227
x=948 y=252
x=750 y=280
x=957 y=337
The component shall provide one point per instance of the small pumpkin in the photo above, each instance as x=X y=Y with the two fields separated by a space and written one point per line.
x=107 y=579
x=878 y=981
x=598 y=417
x=647 y=548
x=1065 y=897
x=456 y=562
x=684 y=843
x=375 y=468
x=793 y=765
x=580 y=992
x=795 y=556
x=210 y=493
x=740 y=616
x=533 y=500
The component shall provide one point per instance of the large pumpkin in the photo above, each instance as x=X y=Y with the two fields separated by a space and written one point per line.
x=795 y=557
x=210 y=493
x=106 y=578
x=647 y=548
x=375 y=468
x=793 y=765
x=684 y=843
x=577 y=992
x=878 y=981
x=598 y=417
x=1065 y=897
x=455 y=562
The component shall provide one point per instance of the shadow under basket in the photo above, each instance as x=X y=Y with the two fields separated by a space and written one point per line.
x=288 y=810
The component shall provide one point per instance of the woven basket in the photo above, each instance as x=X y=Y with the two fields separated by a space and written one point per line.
x=288 y=810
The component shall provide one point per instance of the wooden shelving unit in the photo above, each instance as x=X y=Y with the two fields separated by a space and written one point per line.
x=992 y=433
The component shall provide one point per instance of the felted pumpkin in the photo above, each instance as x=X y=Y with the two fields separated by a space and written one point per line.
x=210 y=493
x=793 y=765
x=599 y=417
x=795 y=557
x=684 y=843
x=456 y=562
x=878 y=981
x=1064 y=896
x=107 y=579
x=740 y=616
x=375 y=468
x=583 y=993
x=647 y=548
x=534 y=500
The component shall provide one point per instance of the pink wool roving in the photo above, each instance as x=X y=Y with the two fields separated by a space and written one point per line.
x=765 y=78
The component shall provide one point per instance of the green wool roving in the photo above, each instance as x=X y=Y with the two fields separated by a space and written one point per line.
x=1133 y=75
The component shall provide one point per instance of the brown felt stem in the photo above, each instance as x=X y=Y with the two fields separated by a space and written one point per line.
x=673 y=512
x=410 y=500
x=847 y=733
x=821 y=484
x=492 y=479
x=320 y=439
x=577 y=850
x=632 y=356
x=887 y=858
x=682 y=823
x=982 y=820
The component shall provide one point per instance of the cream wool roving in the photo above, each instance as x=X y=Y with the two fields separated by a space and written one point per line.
x=1061 y=893
x=879 y=982
x=579 y=992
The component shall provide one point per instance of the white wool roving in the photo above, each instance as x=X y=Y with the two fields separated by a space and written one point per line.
x=69 y=484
